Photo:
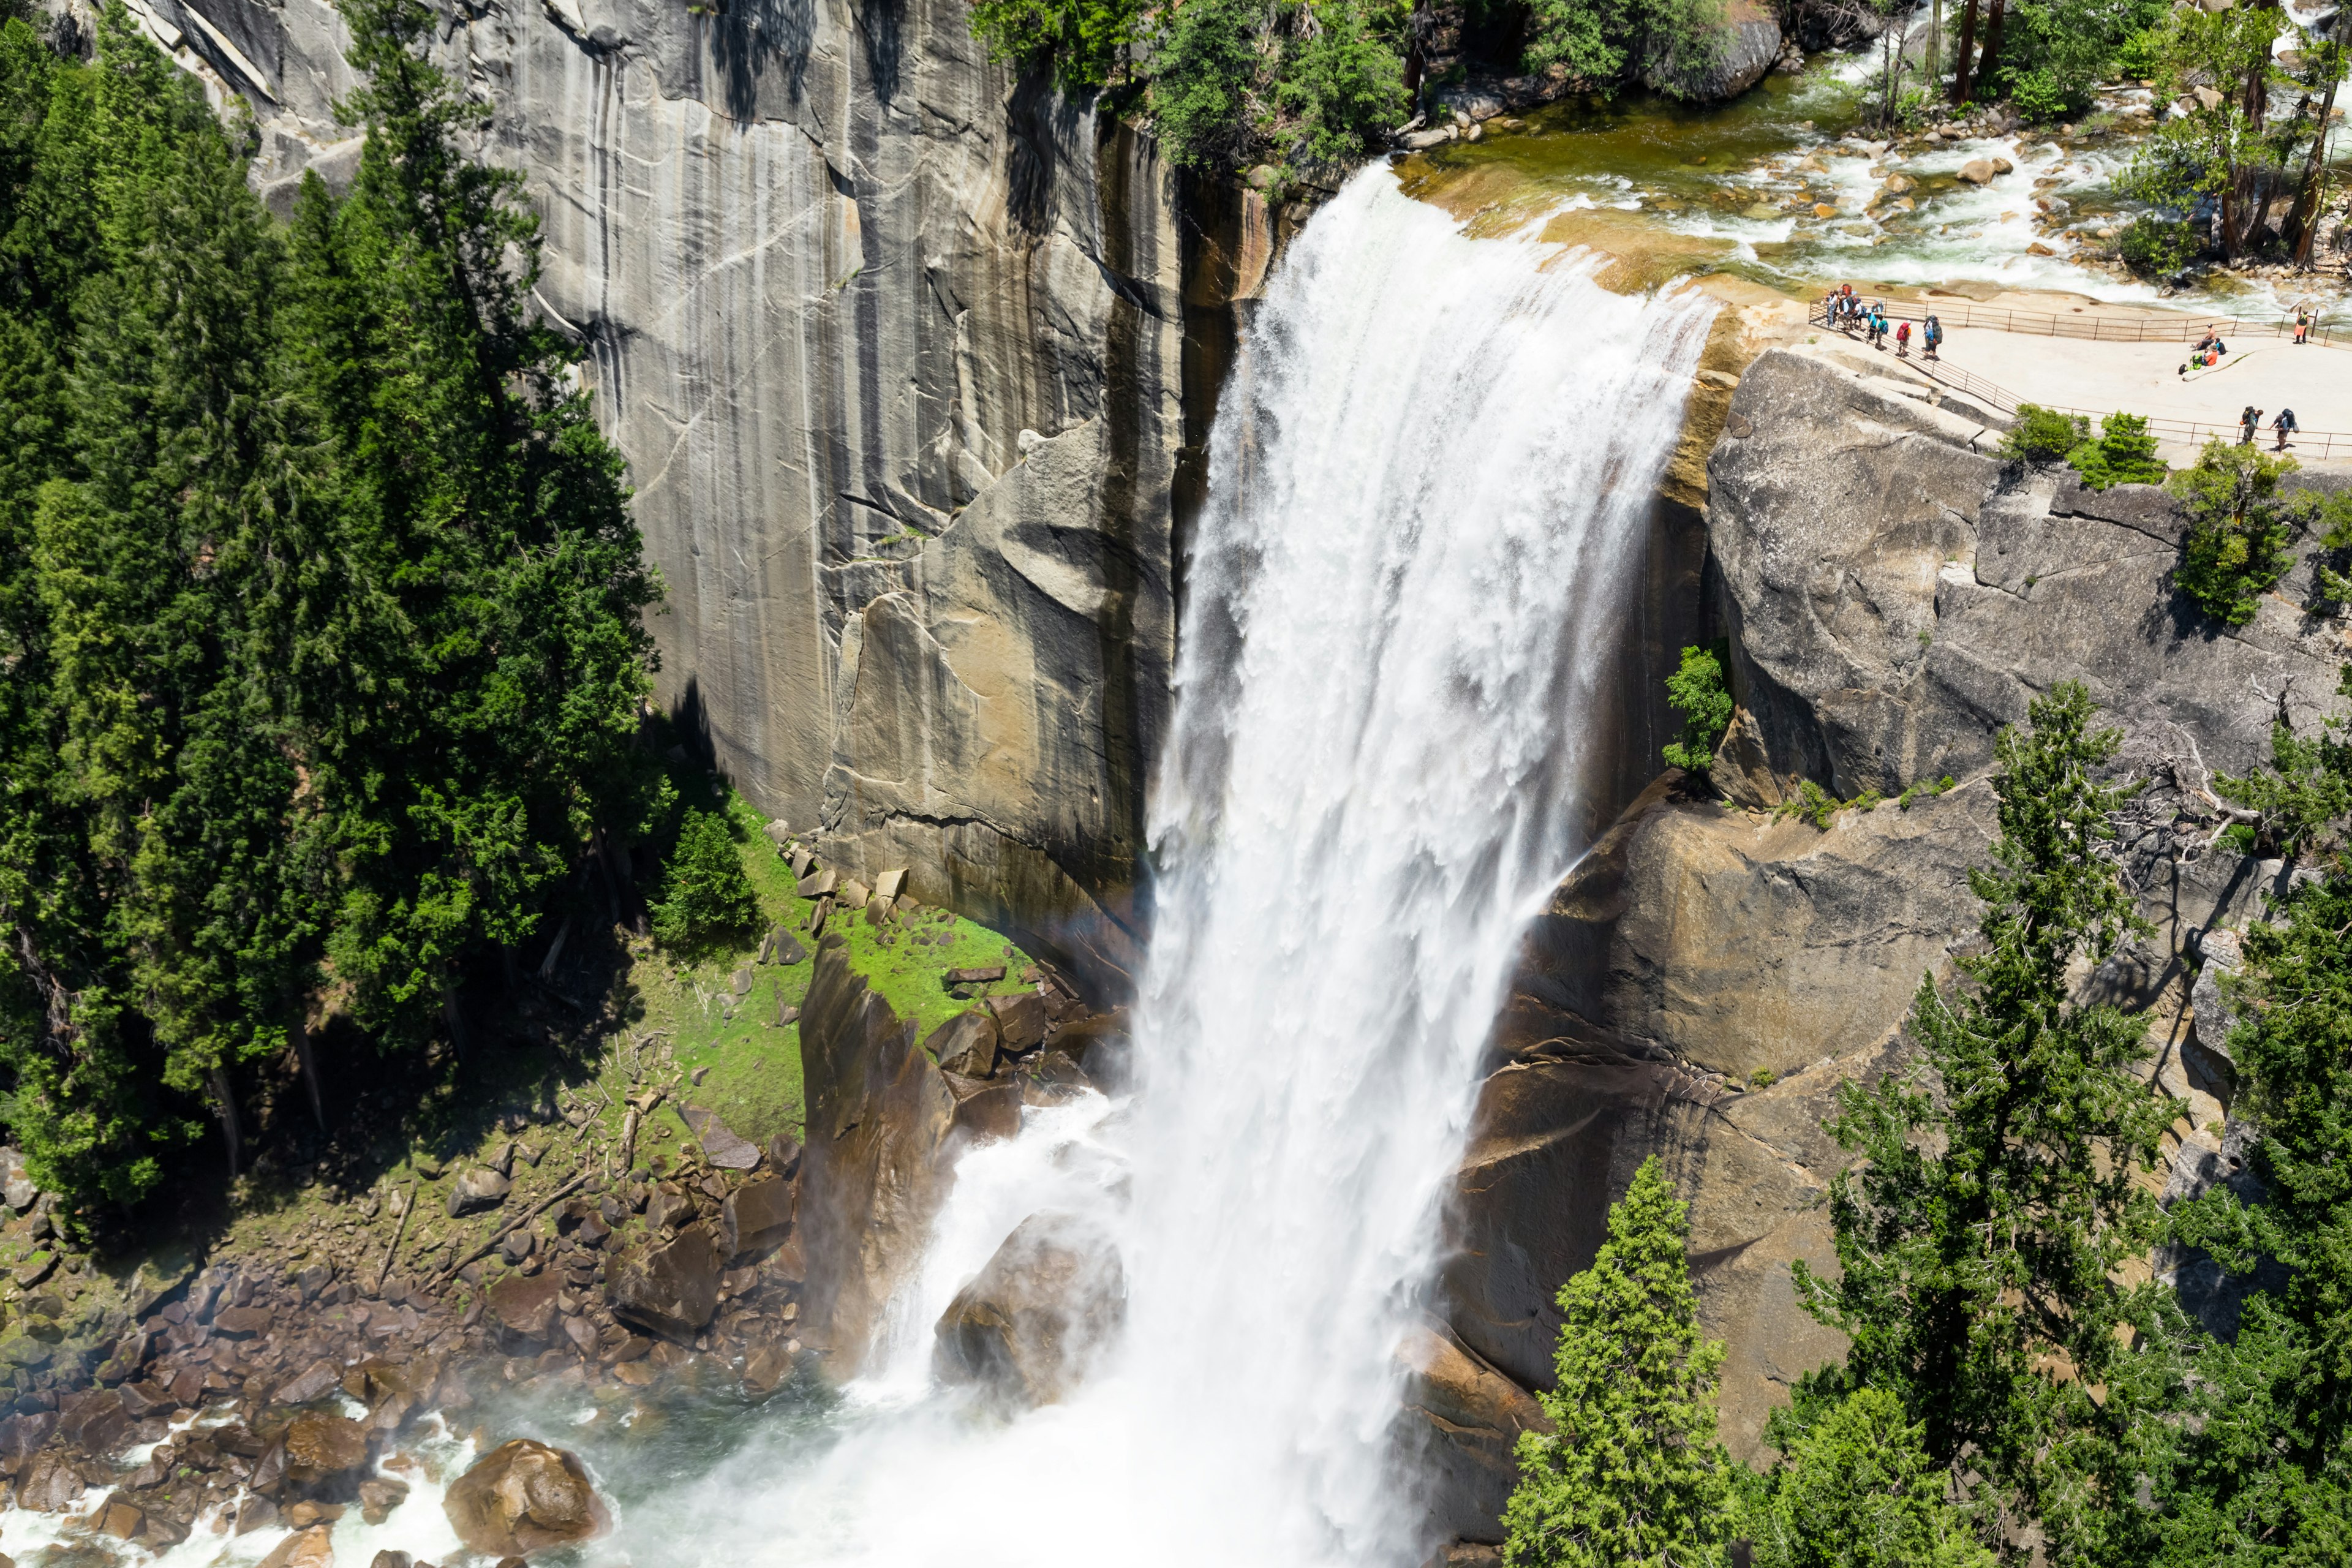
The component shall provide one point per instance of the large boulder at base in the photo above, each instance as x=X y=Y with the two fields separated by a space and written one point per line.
x=1030 y=1324
x=477 y=1190
x=1733 y=59
x=1462 y=1421
x=671 y=1290
x=876 y=1167
x=965 y=1044
x=524 y=1496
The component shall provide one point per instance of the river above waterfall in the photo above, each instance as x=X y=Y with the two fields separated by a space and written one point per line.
x=1787 y=186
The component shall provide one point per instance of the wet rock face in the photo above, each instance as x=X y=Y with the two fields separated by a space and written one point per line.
x=524 y=1496
x=879 y=1118
x=1706 y=977
x=1030 y=1324
x=1462 y=1420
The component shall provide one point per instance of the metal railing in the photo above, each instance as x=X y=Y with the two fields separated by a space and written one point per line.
x=2096 y=328
x=2317 y=445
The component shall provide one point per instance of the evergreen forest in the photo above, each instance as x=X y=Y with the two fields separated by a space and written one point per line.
x=319 y=597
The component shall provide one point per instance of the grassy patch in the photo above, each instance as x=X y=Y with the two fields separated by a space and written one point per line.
x=751 y=1064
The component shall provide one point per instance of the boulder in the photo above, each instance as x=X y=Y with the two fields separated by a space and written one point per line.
x=312 y=1548
x=986 y=1110
x=315 y=1381
x=721 y=1144
x=524 y=1496
x=1746 y=43
x=322 y=1448
x=1020 y=1021
x=1027 y=1327
x=241 y=1322
x=49 y=1483
x=1975 y=172
x=525 y=1304
x=670 y=1291
x=757 y=1215
x=17 y=1188
x=879 y=1125
x=982 y=975
x=890 y=885
x=965 y=1044
x=818 y=886
x=2224 y=955
x=476 y=1190
x=379 y=1496
x=788 y=949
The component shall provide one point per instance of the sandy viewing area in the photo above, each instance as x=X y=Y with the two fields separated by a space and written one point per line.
x=2087 y=375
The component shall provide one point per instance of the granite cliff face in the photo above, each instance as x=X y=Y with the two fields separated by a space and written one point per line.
x=1892 y=595
x=895 y=348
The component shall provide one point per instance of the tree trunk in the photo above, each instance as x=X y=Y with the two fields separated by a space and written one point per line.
x=1991 y=56
x=1415 y=62
x=224 y=1106
x=1964 y=63
x=453 y=1015
x=555 y=950
x=2302 y=223
x=307 y=1061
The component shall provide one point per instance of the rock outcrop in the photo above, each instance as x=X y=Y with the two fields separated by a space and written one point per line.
x=894 y=343
x=1730 y=59
x=880 y=1121
x=1463 y=1419
x=1713 y=970
x=524 y=1496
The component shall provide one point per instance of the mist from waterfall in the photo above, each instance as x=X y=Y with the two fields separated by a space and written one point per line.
x=1430 y=480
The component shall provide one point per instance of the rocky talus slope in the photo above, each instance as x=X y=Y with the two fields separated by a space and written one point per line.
x=1893 y=594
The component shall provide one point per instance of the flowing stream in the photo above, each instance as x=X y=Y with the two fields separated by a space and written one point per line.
x=1431 y=480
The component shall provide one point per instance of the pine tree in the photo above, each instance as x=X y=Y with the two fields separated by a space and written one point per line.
x=1857 y=1490
x=1631 y=1472
x=706 y=892
x=1986 y=1235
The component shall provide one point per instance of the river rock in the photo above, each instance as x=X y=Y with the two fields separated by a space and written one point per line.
x=48 y=1483
x=476 y=1190
x=524 y=1496
x=879 y=1119
x=1975 y=172
x=965 y=1044
x=1027 y=1327
x=312 y=1548
x=670 y=1291
x=755 y=1216
x=322 y=1448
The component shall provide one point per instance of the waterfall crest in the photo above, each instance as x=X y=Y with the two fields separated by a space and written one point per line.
x=1430 y=482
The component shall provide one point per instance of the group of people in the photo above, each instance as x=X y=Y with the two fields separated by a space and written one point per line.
x=2209 y=350
x=2251 y=420
x=1845 y=310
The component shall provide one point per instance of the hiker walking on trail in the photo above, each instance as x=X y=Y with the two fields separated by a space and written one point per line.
x=2248 y=423
x=1933 y=336
x=2285 y=425
x=1877 y=325
x=1903 y=340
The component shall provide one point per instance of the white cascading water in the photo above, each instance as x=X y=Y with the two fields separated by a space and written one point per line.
x=1430 y=481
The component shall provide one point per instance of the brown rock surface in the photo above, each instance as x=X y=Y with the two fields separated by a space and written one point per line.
x=321 y=1449
x=1463 y=1418
x=1029 y=1325
x=880 y=1115
x=757 y=1215
x=524 y=1496
x=312 y=1548
x=525 y=1303
x=671 y=1289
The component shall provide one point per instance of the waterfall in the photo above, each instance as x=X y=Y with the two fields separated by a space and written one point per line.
x=1430 y=485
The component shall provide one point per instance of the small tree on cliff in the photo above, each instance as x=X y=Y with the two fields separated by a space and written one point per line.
x=1986 y=1236
x=1632 y=1473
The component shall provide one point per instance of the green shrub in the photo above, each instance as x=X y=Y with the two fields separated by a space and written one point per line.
x=1084 y=41
x=1811 y=805
x=2240 y=526
x=1601 y=42
x=2125 y=454
x=1202 y=77
x=2044 y=434
x=1343 y=87
x=705 y=891
x=2157 y=245
x=1902 y=802
x=1698 y=692
x=1762 y=1078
